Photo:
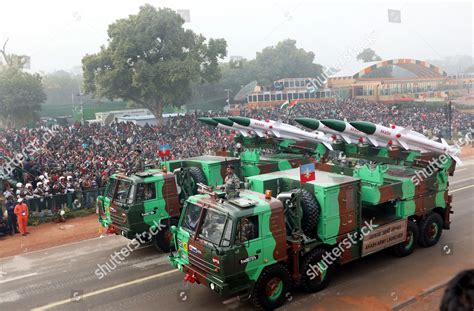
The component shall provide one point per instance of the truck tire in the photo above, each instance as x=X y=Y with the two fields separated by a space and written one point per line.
x=197 y=176
x=163 y=240
x=270 y=290
x=311 y=212
x=430 y=229
x=408 y=246
x=312 y=279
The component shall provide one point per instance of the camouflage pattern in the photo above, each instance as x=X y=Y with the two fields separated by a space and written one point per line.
x=384 y=185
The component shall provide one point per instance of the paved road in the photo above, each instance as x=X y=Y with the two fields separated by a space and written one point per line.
x=64 y=278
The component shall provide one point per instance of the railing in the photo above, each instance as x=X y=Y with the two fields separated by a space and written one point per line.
x=48 y=206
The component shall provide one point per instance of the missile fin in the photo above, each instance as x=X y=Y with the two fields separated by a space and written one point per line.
x=373 y=141
x=243 y=133
x=403 y=144
x=457 y=159
x=327 y=145
x=276 y=133
x=346 y=139
x=258 y=132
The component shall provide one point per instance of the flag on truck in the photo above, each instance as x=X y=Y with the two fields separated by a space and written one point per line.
x=285 y=105
x=164 y=150
x=307 y=173
x=293 y=103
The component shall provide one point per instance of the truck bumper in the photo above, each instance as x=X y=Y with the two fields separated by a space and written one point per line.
x=195 y=275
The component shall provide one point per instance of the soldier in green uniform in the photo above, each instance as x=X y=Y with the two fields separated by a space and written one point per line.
x=231 y=183
x=137 y=163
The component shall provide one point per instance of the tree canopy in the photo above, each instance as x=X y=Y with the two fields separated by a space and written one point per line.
x=152 y=60
x=284 y=60
x=368 y=55
x=21 y=93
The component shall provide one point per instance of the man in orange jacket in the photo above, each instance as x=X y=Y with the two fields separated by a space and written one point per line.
x=21 y=212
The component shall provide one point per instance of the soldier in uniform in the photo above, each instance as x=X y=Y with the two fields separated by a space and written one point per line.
x=10 y=205
x=137 y=163
x=231 y=183
x=246 y=231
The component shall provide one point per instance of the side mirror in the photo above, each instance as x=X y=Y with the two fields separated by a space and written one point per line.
x=173 y=229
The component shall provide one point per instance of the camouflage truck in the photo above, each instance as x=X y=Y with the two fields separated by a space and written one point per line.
x=132 y=204
x=260 y=247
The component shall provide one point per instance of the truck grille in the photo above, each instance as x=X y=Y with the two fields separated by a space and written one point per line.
x=202 y=264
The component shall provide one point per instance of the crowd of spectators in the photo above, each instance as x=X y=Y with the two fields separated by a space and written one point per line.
x=80 y=158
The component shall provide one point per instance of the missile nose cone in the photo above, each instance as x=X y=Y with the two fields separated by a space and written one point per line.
x=363 y=126
x=308 y=122
x=224 y=121
x=240 y=120
x=336 y=125
x=208 y=121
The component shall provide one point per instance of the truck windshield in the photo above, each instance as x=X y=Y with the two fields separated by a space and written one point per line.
x=191 y=217
x=111 y=188
x=125 y=194
x=212 y=227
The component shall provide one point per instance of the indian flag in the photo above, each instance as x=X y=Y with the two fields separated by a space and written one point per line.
x=285 y=105
x=293 y=103
x=289 y=104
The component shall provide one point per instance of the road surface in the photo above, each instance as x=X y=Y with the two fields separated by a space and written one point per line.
x=65 y=277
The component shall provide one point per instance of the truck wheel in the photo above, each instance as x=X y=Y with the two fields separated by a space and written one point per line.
x=271 y=288
x=312 y=279
x=311 y=212
x=430 y=230
x=197 y=177
x=163 y=240
x=406 y=248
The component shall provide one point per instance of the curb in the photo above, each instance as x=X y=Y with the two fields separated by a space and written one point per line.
x=413 y=299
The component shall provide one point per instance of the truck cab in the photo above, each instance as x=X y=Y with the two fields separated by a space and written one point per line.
x=225 y=244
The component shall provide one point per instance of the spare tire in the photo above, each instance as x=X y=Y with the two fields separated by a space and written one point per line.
x=311 y=212
x=197 y=176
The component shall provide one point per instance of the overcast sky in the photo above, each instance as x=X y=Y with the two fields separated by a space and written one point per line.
x=57 y=33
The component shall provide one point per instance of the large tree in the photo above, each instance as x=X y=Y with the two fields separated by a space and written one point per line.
x=368 y=55
x=285 y=60
x=60 y=86
x=152 y=60
x=21 y=93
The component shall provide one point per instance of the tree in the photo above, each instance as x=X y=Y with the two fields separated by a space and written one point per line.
x=285 y=60
x=60 y=86
x=152 y=60
x=21 y=93
x=368 y=55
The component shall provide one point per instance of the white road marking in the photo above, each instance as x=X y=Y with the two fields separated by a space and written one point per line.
x=463 y=188
x=460 y=180
x=104 y=290
x=18 y=277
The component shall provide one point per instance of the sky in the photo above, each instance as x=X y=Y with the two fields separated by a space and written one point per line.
x=58 y=33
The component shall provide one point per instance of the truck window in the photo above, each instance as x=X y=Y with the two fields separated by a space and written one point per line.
x=111 y=188
x=146 y=192
x=228 y=233
x=124 y=195
x=191 y=217
x=212 y=227
x=247 y=228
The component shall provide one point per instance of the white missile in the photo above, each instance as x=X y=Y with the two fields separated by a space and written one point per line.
x=279 y=129
x=407 y=138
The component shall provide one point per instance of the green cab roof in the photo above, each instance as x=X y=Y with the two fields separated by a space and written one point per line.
x=261 y=204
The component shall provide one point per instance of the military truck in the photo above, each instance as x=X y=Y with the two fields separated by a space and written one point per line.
x=280 y=234
x=132 y=204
